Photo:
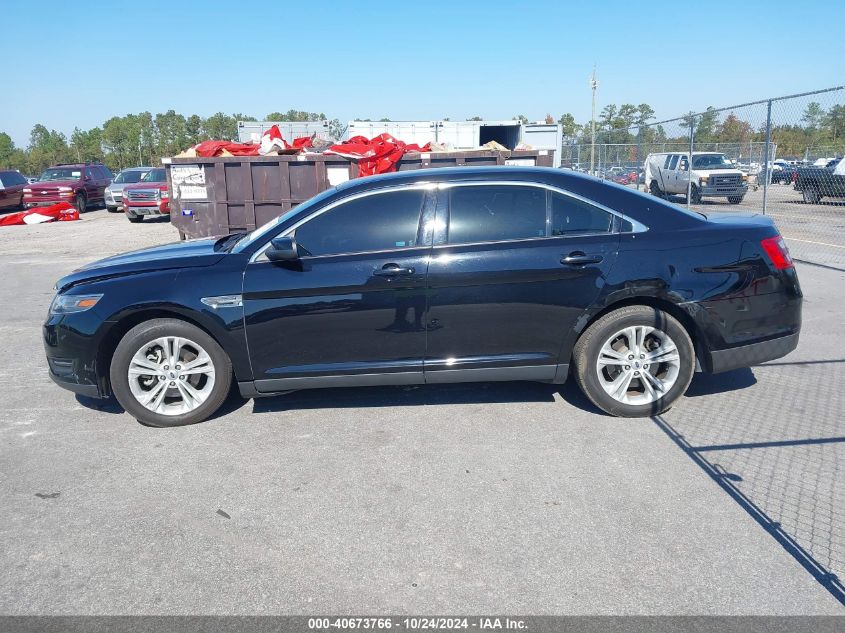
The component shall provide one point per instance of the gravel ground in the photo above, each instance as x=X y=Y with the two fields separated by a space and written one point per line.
x=505 y=498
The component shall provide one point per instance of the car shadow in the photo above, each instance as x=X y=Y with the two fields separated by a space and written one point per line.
x=412 y=395
x=708 y=384
x=433 y=395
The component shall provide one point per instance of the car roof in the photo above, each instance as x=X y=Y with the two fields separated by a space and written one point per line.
x=140 y=168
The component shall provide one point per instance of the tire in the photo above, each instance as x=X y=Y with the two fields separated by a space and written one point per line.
x=209 y=381
x=735 y=199
x=595 y=378
x=655 y=190
x=134 y=219
x=811 y=194
x=111 y=209
x=695 y=194
x=81 y=203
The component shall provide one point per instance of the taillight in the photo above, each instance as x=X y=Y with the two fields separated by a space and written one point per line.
x=777 y=251
x=795 y=176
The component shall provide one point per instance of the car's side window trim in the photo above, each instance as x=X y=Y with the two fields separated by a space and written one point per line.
x=425 y=187
x=435 y=189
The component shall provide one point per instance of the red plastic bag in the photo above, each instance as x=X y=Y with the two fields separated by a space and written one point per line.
x=61 y=212
x=378 y=155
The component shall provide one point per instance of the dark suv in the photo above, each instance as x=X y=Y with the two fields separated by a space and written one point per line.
x=433 y=276
x=12 y=184
x=81 y=184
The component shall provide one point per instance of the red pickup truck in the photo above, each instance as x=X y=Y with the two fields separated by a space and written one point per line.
x=148 y=197
x=81 y=184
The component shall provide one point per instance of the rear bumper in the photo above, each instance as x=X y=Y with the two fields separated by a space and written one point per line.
x=753 y=354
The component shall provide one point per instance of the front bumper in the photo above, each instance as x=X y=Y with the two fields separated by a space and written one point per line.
x=30 y=203
x=114 y=199
x=157 y=208
x=753 y=354
x=70 y=343
x=715 y=190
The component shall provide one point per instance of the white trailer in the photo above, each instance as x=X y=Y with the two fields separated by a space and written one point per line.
x=464 y=135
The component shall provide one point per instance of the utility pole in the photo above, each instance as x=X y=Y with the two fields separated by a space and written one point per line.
x=593 y=85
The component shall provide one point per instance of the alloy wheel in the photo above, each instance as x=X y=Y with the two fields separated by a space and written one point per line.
x=171 y=375
x=638 y=365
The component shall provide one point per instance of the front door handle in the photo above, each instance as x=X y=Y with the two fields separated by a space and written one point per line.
x=577 y=258
x=392 y=270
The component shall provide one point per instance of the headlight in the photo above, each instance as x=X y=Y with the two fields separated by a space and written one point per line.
x=703 y=180
x=163 y=194
x=68 y=304
x=27 y=190
x=65 y=189
x=744 y=177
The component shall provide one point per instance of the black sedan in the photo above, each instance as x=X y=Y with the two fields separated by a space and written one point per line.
x=436 y=276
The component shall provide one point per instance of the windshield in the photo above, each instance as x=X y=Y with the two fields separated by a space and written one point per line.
x=128 y=177
x=711 y=161
x=154 y=175
x=306 y=206
x=61 y=173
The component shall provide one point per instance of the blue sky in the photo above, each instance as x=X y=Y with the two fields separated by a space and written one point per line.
x=78 y=63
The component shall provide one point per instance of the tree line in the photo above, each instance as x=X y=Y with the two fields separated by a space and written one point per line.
x=144 y=138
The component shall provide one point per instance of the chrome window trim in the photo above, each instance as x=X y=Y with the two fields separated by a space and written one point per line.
x=637 y=227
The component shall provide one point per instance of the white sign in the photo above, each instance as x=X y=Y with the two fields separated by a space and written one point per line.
x=188 y=182
x=192 y=192
x=337 y=175
x=523 y=162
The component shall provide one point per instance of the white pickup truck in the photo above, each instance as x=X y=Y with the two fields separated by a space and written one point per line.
x=713 y=175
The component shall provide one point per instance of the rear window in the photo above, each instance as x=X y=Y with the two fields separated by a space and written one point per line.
x=571 y=216
x=491 y=213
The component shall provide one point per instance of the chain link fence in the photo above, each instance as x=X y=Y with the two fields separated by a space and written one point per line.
x=780 y=156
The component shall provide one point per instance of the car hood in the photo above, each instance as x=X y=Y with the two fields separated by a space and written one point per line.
x=716 y=172
x=192 y=254
x=52 y=184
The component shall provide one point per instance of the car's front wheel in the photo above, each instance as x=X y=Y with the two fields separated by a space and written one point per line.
x=81 y=202
x=634 y=362
x=166 y=372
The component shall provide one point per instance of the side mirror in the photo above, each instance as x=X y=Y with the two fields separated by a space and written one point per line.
x=282 y=249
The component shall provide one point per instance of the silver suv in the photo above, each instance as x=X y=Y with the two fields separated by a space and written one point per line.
x=114 y=192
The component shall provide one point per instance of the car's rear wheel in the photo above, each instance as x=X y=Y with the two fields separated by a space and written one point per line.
x=81 y=202
x=111 y=209
x=166 y=372
x=635 y=361
x=735 y=199
x=811 y=195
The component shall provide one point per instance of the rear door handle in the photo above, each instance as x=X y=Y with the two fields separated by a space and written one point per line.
x=392 y=270
x=578 y=258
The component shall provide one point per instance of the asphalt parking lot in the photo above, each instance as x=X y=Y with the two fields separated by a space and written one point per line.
x=488 y=498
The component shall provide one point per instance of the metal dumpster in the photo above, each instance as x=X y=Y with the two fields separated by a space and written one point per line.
x=218 y=196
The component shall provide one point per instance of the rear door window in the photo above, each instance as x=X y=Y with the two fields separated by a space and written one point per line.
x=571 y=216
x=674 y=162
x=492 y=213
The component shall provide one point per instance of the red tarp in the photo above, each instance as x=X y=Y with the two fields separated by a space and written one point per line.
x=61 y=211
x=271 y=142
x=375 y=156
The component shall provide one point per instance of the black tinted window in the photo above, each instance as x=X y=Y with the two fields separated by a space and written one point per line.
x=674 y=162
x=572 y=216
x=488 y=213
x=380 y=222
